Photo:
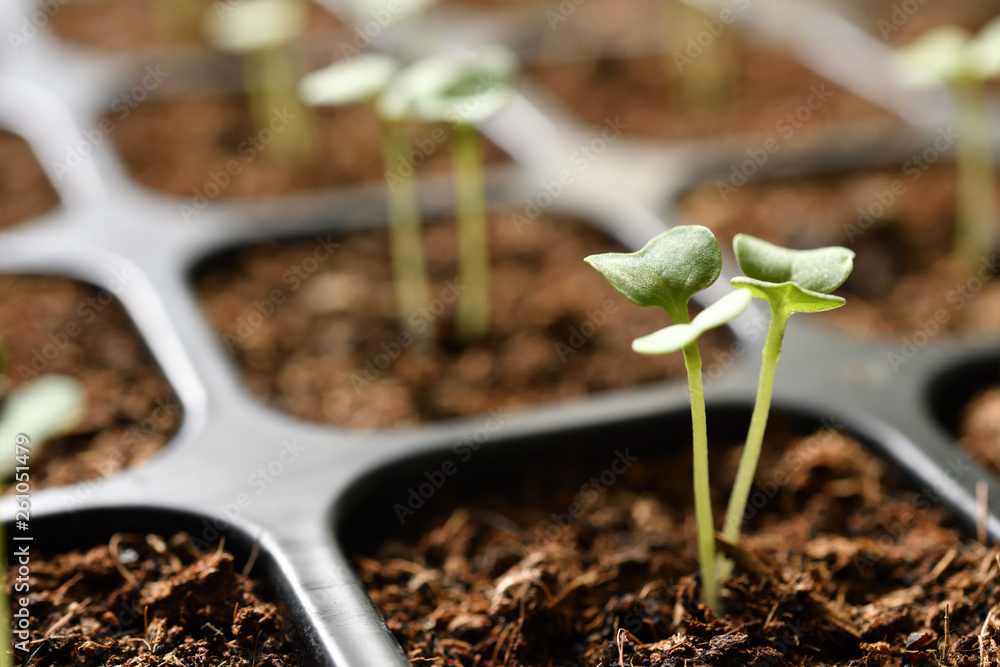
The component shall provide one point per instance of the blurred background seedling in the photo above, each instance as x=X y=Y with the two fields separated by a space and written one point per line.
x=790 y=281
x=362 y=79
x=463 y=91
x=951 y=56
x=259 y=31
x=667 y=272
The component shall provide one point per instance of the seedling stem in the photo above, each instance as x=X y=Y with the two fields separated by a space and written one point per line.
x=472 y=317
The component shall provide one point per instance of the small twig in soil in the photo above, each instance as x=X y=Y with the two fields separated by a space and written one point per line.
x=982 y=636
x=620 y=640
x=254 y=551
x=947 y=632
x=941 y=566
x=113 y=549
x=73 y=609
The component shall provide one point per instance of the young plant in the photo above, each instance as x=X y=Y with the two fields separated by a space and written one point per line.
x=791 y=281
x=361 y=80
x=667 y=272
x=463 y=90
x=951 y=56
x=259 y=31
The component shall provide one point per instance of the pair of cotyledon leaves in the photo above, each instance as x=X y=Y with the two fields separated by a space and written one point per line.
x=679 y=263
x=465 y=88
x=951 y=54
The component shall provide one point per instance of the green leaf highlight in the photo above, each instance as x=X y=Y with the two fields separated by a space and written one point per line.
x=676 y=337
x=788 y=297
x=41 y=409
x=822 y=270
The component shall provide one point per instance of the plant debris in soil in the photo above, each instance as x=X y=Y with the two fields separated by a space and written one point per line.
x=980 y=428
x=25 y=190
x=902 y=277
x=771 y=87
x=145 y=600
x=175 y=145
x=56 y=325
x=834 y=568
x=336 y=353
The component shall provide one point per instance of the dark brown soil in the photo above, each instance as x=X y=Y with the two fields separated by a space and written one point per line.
x=133 y=25
x=56 y=325
x=143 y=600
x=185 y=147
x=317 y=357
x=980 y=428
x=903 y=281
x=25 y=190
x=772 y=94
x=840 y=568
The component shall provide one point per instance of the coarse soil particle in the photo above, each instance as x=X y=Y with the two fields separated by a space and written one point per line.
x=145 y=600
x=334 y=353
x=900 y=222
x=838 y=566
x=56 y=325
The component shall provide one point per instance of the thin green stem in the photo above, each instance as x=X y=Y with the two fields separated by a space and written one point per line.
x=473 y=314
x=755 y=436
x=702 y=78
x=702 y=492
x=412 y=285
x=977 y=206
x=283 y=124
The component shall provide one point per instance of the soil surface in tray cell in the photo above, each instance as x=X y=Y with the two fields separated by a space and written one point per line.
x=57 y=325
x=332 y=351
x=210 y=148
x=900 y=222
x=25 y=190
x=979 y=433
x=837 y=566
x=145 y=600
x=773 y=95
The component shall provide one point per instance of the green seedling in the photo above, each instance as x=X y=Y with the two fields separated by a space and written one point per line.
x=949 y=55
x=464 y=91
x=361 y=80
x=41 y=409
x=667 y=272
x=259 y=31
x=791 y=281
